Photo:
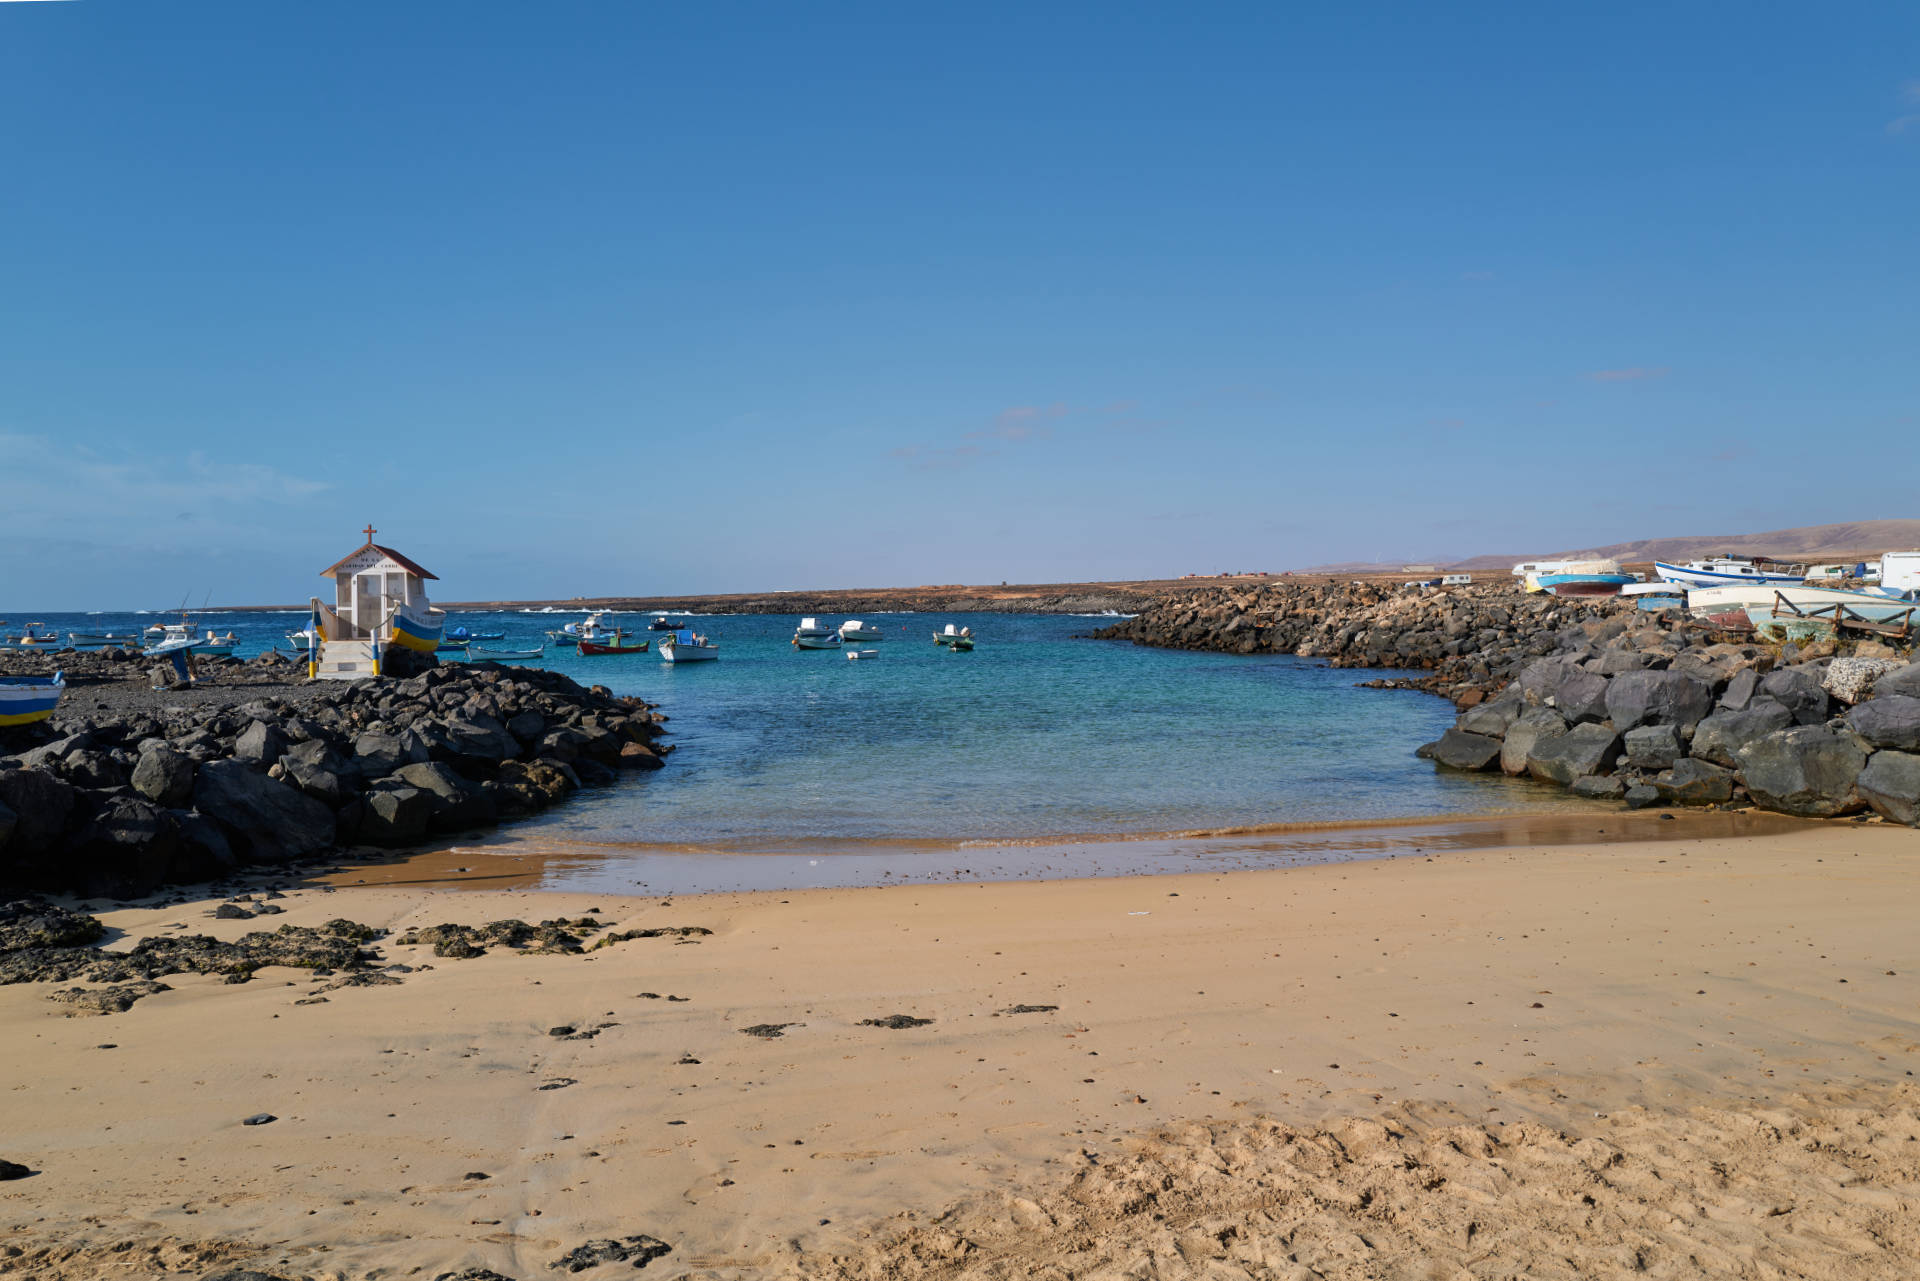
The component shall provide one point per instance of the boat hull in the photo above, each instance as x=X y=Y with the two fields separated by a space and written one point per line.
x=1714 y=578
x=591 y=648
x=1865 y=605
x=863 y=634
x=1583 y=584
x=28 y=700
x=507 y=655
x=675 y=653
x=830 y=641
x=411 y=633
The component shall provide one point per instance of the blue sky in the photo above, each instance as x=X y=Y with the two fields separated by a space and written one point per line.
x=578 y=298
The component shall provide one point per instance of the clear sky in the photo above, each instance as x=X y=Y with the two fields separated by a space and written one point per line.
x=593 y=296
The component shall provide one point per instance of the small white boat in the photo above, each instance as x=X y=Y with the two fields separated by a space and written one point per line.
x=179 y=636
x=954 y=635
x=1874 y=606
x=863 y=653
x=811 y=635
x=686 y=646
x=855 y=630
x=95 y=640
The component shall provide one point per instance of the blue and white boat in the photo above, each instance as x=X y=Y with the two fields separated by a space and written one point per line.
x=687 y=646
x=1730 y=571
x=1582 y=578
x=27 y=700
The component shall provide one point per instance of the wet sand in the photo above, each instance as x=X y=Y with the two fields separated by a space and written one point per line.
x=1682 y=1057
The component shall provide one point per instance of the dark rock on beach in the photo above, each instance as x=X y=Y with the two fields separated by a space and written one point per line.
x=636 y=1250
x=146 y=788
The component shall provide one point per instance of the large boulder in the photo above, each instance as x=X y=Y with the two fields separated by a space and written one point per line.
x=1809 y=770
x=1740 y=689
x=1899 y=680
x=1457 y=749
x=1800 y=691
x=1540 y=680
x=1891 y=785
x=320 y=772
x=395 y=816
x=1532 y=727
x=1654 y=746
x=457 y=804
x=125 y=850
x=260 y=743
x=164 y=776
x=42 y=805
x=265 y=821
x=1891 y=720
x=1720 y=737
x=381 y=754
x=1584 y=749
x=1694 y=782
x=1657 y=698
x=1582 y=697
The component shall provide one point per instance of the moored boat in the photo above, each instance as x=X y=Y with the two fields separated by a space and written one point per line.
x=812 y=635
x=661 y=623
x=687 y=646
x=97 y=640
x=478 y=654
x=615 y=643
x=961 y=644
x=863 y=653
x=951 y=635
x=855 y=630
x=27 y=700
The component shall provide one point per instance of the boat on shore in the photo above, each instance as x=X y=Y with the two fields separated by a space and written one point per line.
x=687 y=646
x=28 y=700
x=1582 y=578
x=812 y=635
x=1656 y=597
x=1721 y=571
x=1872 y=606
x=855 y=630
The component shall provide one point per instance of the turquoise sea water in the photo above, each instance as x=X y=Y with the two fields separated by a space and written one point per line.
x=1035 y=737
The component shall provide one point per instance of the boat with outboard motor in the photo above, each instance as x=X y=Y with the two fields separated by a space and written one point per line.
x=614 y=642
x=685 y=645
x=952 y=635
x=855 y=630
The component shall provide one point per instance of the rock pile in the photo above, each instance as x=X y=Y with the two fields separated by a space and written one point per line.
x=131 y=800
x=1470 y=638
x=1657 y=715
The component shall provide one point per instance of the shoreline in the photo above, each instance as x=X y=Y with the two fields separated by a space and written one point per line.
x=1669 y=1001
x=520 y=860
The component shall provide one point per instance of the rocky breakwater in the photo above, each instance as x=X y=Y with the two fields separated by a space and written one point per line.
x=173 y=792
x=1470 y=639
x=1659 y=715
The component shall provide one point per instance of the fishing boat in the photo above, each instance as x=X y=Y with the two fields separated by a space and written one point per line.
x=477 y=654
x=660 y=623
x=462 y=634
x=855 y=630
x=180 y=636
x=811 y=635
x=961 y=645
x=1583 y=578
x=563 y=638
x=27 y=700
x=100 y=640
x=952 y=635
x=863 y=653
x=1721 y=571
x=34 y=635
x=613 y=644
x=594 y=627
x=687 y=646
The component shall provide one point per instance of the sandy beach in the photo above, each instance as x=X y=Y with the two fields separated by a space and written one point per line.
x=1686 y=1057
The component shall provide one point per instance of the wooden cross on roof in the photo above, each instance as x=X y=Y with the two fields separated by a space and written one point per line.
x=369 y=531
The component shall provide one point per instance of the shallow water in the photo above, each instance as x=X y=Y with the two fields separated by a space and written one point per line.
x=1034 y=741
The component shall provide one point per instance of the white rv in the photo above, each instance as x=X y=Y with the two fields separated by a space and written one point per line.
x=1900 y=571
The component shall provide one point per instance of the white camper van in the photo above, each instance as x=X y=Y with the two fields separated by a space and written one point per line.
x=1900 y=571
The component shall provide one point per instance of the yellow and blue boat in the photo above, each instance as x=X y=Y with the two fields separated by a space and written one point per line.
x=411 y=633
x=27 y=700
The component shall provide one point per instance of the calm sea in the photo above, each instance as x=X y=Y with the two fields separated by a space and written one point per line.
x=1034 y=741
